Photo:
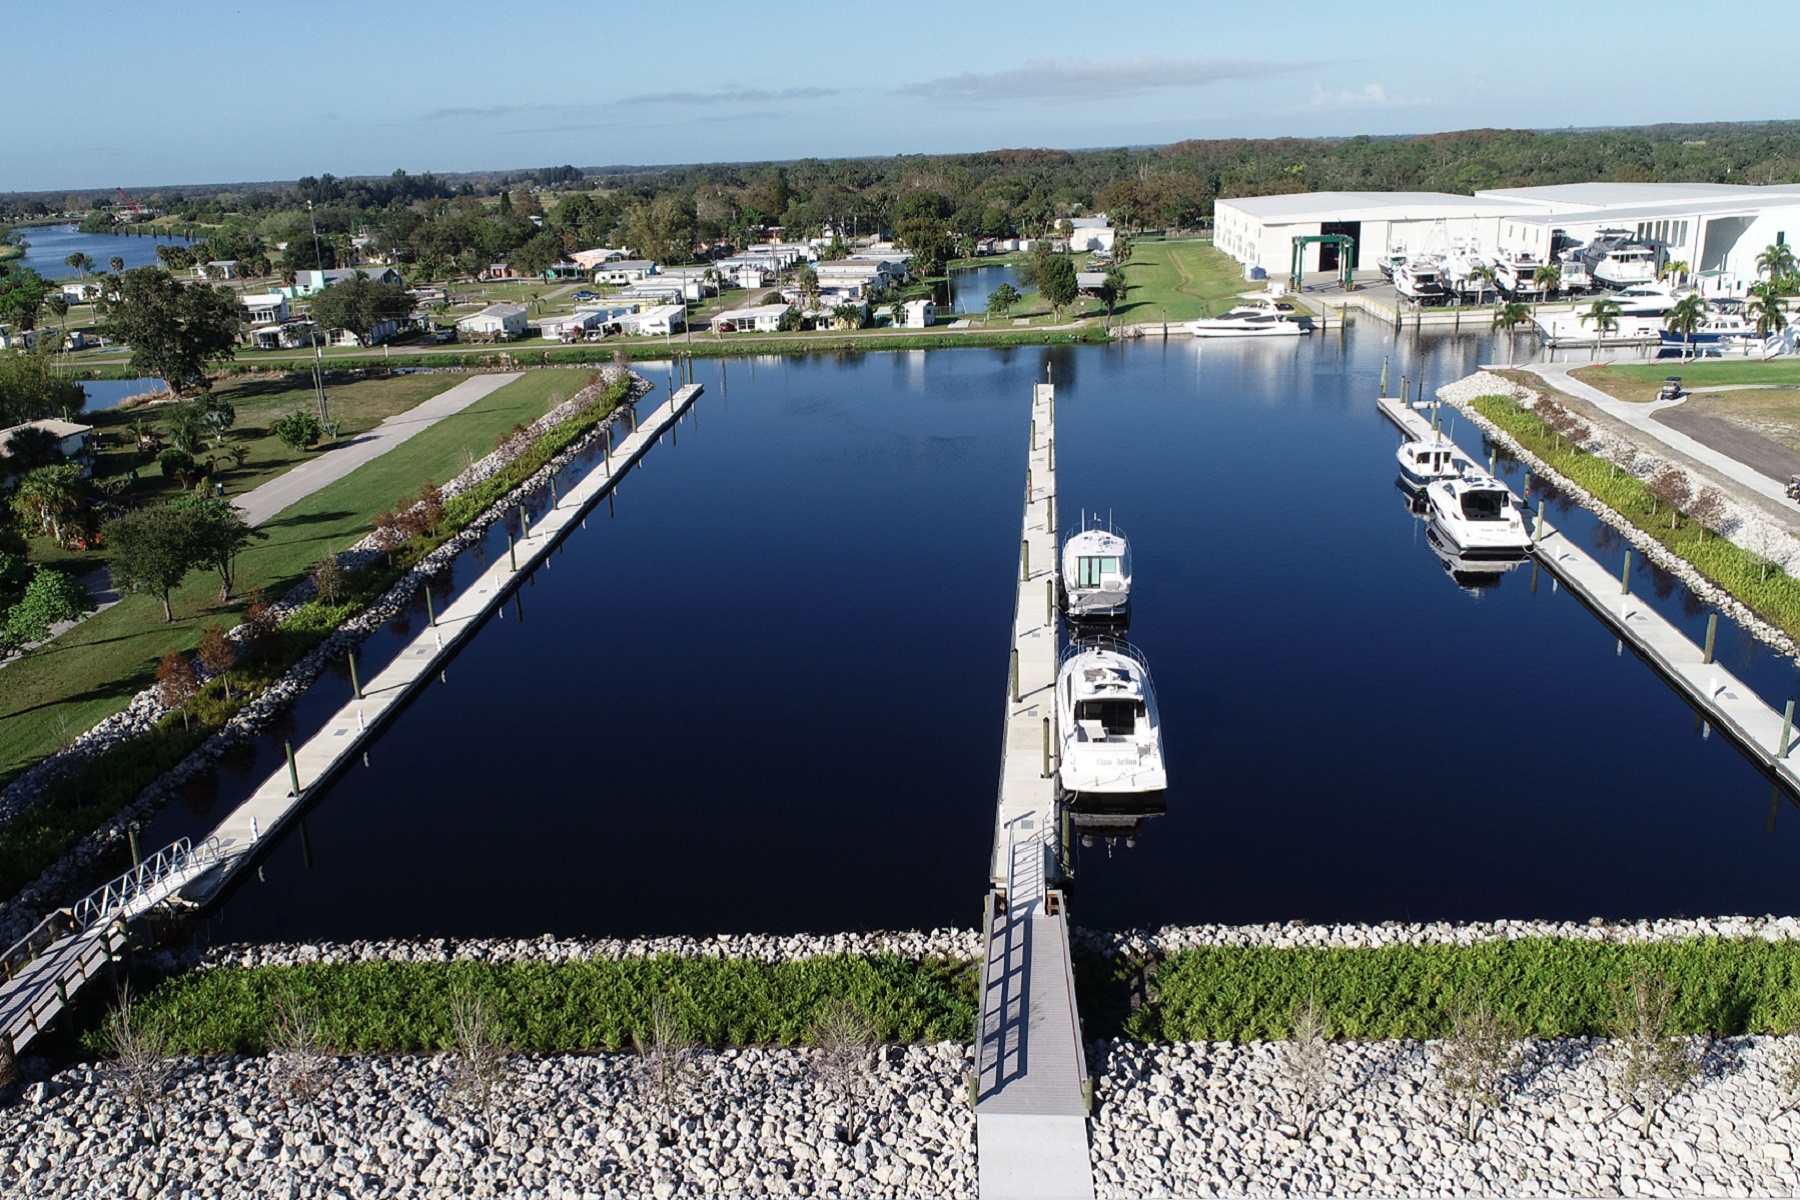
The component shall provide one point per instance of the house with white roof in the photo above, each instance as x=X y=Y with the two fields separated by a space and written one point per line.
x=919 y=314
x=75 y=441
x=496 y=322
x=659 y=321
x=757 y=318
x=264 y=308
x=81 y=292
x=1088 y=234
x=624 y=270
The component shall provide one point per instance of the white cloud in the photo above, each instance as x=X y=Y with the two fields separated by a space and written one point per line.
x=1044 y=79
x=1372 y=96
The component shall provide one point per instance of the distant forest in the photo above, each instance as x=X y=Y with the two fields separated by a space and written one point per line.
x=936 y=202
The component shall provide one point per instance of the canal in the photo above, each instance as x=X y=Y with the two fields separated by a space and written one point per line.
x=49 y=245
x=766 y=694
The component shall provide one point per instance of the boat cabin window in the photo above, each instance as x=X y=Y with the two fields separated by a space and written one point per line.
x=1484 y=506
x=1117 y=717
x=1092 y=568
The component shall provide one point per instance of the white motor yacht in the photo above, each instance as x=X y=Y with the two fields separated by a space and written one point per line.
x=1516 y=276
x=1459 y=270
x=1423 y=463
x=1476 y=516
x=1251 y=318
x=1096 y=575
x=1645 y=300
x=1111 y=733
x=1572 y=272
x=1420 y=279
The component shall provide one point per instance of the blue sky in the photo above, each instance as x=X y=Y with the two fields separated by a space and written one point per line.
x=217 y=92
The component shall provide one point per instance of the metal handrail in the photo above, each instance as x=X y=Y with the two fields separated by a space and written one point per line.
x=1103 y=641
x=109 y=899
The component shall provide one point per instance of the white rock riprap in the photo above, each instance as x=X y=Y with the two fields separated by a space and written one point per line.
x=1218 y=1120
x=1160 y=943
x=753 y=1123
x=963 y=945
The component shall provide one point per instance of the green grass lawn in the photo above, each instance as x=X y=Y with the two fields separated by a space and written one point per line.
x=1182 y=280
x=357 y=405
x=94 y=669
x=1639 y=381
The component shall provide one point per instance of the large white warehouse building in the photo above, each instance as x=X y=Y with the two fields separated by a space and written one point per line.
x=1717 y=229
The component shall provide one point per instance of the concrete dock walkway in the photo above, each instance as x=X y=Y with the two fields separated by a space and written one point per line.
x=1031 y=1070
x=1731 y=706
x=347 y=731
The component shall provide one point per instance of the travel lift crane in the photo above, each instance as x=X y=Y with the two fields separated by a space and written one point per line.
x=1346 y=257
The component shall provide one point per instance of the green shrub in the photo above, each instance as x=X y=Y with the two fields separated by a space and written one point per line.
x=1547 y=987
x=560 y=1007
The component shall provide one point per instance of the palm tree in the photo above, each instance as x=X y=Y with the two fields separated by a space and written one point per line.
x=117 y=264
x=1604 y=313
x=1482 y=276
x=1675 y=266
x=1546 y=279
x=1688 y=315
x=1510 y=316
x=1775 y=261
x=80 y=262
x=1768 y=310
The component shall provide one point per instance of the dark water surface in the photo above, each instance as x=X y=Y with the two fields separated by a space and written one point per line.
x=767 y=694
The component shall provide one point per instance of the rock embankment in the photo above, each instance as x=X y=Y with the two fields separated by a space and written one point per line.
x=1225 y=1120
x=739 y=1122
x=1741 y=524
x=962 y=945
x=1160 y=943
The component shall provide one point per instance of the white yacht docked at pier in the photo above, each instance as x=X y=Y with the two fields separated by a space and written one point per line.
x=1096 y=575
x=1110 y=729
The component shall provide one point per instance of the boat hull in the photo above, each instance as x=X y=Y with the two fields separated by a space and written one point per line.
x=1477 y=550
x=1283 y=329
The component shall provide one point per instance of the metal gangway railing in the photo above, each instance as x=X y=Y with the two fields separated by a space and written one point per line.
x=40 y=971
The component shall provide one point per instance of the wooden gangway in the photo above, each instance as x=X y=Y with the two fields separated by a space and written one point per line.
x=1727 y=702
x=43 y=970
x=345 y=734
x=1031 y=1086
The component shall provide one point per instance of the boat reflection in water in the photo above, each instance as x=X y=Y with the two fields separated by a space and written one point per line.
x=1471 y=574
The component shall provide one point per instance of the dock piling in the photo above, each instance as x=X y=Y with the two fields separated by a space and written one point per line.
x=1050 y=446
x=430 y=608
x=1015 y=674
x=293 y=770
x=137 y=859
x=1539 y=535
x=1024 y=559
x=355 y=679
x=512 y=552
x=1047 y=743
x=1712 y=632
x=1384 y=366
x=1049 y=603
x=1625 y=576
x=1034 y=435
x=524 y=523
x=1787 y=730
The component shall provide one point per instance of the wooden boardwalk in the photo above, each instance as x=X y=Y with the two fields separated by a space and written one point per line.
x=348 y=731
x=1031 y=1086
x=1720 y=696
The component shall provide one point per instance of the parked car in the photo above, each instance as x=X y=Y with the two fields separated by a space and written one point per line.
x=444 y=335
x=586 y=296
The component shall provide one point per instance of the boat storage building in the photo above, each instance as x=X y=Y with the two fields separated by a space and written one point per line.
x=1717 y=229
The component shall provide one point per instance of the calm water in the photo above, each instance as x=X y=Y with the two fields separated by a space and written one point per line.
x=50 y=244
x=107 y=393
x=969 y=289
x=766 y=695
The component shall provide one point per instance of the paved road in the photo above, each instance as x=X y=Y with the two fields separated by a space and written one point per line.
x=291 y=487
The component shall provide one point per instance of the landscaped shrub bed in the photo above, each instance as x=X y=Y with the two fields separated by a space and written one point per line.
x=1546 y=987
x=394 y=1007
x=1763 y=586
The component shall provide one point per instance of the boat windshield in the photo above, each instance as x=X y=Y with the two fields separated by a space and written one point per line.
x=1091 y=569
x=1484 y=505
x=1117 y=718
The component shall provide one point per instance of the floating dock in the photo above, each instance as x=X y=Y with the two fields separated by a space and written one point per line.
x=1031 y=1086
x=241 y=834
x=1720 y=697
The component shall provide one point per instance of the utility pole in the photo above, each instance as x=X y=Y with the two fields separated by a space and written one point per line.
x=318 y=351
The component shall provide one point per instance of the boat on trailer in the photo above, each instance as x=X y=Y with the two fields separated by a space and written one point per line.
x=1109 y=727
